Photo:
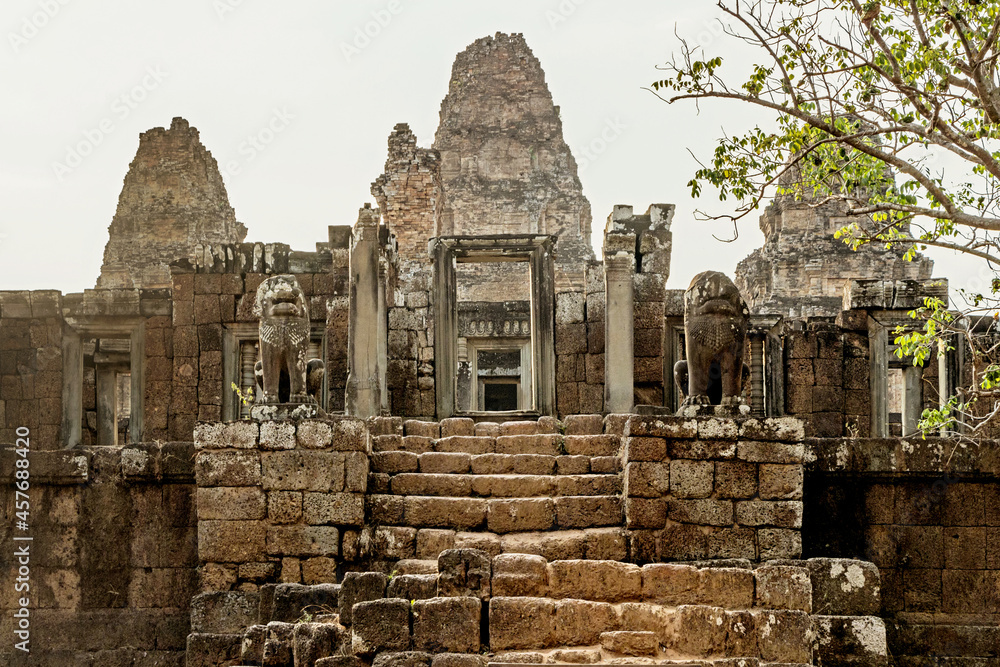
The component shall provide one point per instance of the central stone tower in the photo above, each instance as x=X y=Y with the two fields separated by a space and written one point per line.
x=505 y=168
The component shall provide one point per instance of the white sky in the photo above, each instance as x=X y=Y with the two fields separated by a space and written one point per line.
x=98 y=73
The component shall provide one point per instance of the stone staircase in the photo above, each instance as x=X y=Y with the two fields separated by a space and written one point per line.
x=520 y=608
x=517 y=487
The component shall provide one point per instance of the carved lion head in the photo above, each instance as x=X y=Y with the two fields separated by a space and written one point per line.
x=713 y=293
x=281 y=297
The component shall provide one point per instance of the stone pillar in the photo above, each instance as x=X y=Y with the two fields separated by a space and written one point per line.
x=878 y=350
x=619 y=270
x=364 y=395
x=913 y=404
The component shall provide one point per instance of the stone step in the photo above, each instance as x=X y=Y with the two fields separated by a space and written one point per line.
x=397 y=461
x=692 y=632
x=503 y=486
x=590 y=544
x=498 y=515
x=548 y=444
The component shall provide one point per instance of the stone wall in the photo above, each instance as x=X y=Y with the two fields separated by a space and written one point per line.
x=712 y=488
x=31 y=365
x=827 y=381
x=278 y=501
x=113 y=555
x=927 y=513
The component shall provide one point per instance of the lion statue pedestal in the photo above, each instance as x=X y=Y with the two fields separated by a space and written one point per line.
x=288 y=382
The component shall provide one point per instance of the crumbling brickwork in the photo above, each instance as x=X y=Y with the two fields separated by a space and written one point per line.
x=172 y=202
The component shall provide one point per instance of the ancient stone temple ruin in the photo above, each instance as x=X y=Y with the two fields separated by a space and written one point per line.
x=449 y=436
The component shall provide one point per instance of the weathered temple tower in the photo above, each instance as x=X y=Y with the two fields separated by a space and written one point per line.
x=505 y=167
x=172 y=201
x=802 y=269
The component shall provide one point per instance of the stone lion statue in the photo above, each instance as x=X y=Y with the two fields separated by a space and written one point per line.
x=716 y=319
x=284 y=372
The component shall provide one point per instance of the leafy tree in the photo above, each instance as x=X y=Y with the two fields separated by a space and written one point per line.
x=861 y=91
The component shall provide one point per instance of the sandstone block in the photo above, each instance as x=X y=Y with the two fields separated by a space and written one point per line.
x=277 y=435
x=572 y=465
x=431 y=542
x=312 y=641
x=770 y=452
x=592 y=445
x=466 y=444
x=660 y=426
x=639 y=448
x=231 y=541
x=441 y=462
x=782 y=429
x=519 y=575
x=605 y=465
x=784 y=636
x=447 y=624
x=417 y=444
x=412 y=586
x=519 y=464
x=395 y=462
x=458 y=660
x=425 y=429
x=300 y=470
x=626 y=642
x=223 y=612
x=696 y=630
x=779 y=543
x=783 y=587
x=691 y=479
x=851 y=640
x=777 y=513
x=349 y=435
x=606 y=544
x=423 y=484
x=340 y=661
x=356 y=472
x=702 y=449
x=521 y=623
x=464 y=572
x=458 y=513
x=333 y=508
x=244 y=503
x=513 y=486
x=648 y=513
x=647 y=479
x=207 y=650
x=548 y=444
x=388 y=442
x=227 y=468
x=781 y=482
x=457 y=426
x=520 y=515
x=581 y=622
x=380 y=625
x=605 y=581
x=706 y=512
x=735 y=479
x=395 y=542
x=584 y=424
x=313 y=434
x=487 y=429
x=845 y=587
x=290 y=600
x=588 y=511
x=483 y=541
x=299 y=540
x=359 y=587
x=228 y=435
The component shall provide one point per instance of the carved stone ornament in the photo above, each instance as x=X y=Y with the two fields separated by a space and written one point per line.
x=288 y=382
x=716 y=319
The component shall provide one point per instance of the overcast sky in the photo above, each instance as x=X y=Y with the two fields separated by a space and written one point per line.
x=79 y=80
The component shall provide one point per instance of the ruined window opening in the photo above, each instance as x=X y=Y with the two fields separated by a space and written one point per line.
x=494 y=292
x=102 y=397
